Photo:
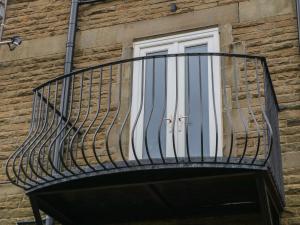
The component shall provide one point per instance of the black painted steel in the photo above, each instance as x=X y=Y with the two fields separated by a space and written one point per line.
x=105 y=129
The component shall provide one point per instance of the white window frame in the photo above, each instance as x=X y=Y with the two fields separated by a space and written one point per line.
x=177 y=44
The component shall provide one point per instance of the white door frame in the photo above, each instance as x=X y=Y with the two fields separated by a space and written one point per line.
x=177 y=44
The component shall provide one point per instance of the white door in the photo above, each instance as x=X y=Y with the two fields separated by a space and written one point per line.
x=176 y=101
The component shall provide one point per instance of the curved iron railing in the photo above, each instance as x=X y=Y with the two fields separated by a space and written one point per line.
x=197 y=108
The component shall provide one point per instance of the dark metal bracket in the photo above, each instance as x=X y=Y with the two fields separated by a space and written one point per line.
x=36 y=204
x=268 y=213
x=36 y=211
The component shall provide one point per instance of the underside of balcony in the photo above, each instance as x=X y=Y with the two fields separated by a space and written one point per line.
x=159 y=192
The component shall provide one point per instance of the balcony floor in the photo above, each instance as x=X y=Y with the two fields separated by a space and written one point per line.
x=154 y=192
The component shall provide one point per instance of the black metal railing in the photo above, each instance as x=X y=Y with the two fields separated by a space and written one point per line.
x=215 y=109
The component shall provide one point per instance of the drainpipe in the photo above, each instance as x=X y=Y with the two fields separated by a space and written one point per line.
x=66 y=83
x=70 y=46
x=69 y=54
x=71 y=36
x=3 y=19
x=68 y=69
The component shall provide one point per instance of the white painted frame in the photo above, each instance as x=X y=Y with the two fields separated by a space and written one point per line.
x=177 y=44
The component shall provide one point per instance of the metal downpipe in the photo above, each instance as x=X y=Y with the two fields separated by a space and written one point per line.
x=68 y=67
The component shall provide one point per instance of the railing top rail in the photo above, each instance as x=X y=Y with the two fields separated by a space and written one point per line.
x=262 y=58
x=258 y=57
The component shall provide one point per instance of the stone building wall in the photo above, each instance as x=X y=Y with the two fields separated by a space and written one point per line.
x=106 y=32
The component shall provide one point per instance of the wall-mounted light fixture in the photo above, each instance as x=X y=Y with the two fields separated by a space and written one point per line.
x=173 y=7
x=12 y=42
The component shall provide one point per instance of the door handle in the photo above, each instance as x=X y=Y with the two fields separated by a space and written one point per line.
x=182 y=118
x=169 y=120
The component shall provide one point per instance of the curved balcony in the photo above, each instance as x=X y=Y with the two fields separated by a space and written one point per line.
x=164 y=121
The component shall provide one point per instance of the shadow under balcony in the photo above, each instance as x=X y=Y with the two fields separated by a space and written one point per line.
x=154 y=137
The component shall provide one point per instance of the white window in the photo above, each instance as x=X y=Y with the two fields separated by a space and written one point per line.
x=172 y=101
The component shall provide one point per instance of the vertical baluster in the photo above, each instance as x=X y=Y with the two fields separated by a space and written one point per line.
x=68 y=133
x=175 y=110
x=214 y=106
x=248 y=105
x=63 y=110
x=41 y=166
x=104 y=118
x=249 y=102
x=138 y=114
x=60 y=145
x=127 y=114
x=236 y=87
x=98 y=111
x=85 y=119
x=32 y=156
x=53 y=145
x=52 y=155
x=227 y=108
x=94 y=118
x=164 y=110
x=145 y=131
x=187 y=108
x=201 y=108
x=71 y=150
x=69 y=163
x=49 y=131
x=108 y=111
x=118 y=110
x=117 y=113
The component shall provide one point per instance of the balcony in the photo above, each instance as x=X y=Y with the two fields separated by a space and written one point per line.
x=153 y=137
